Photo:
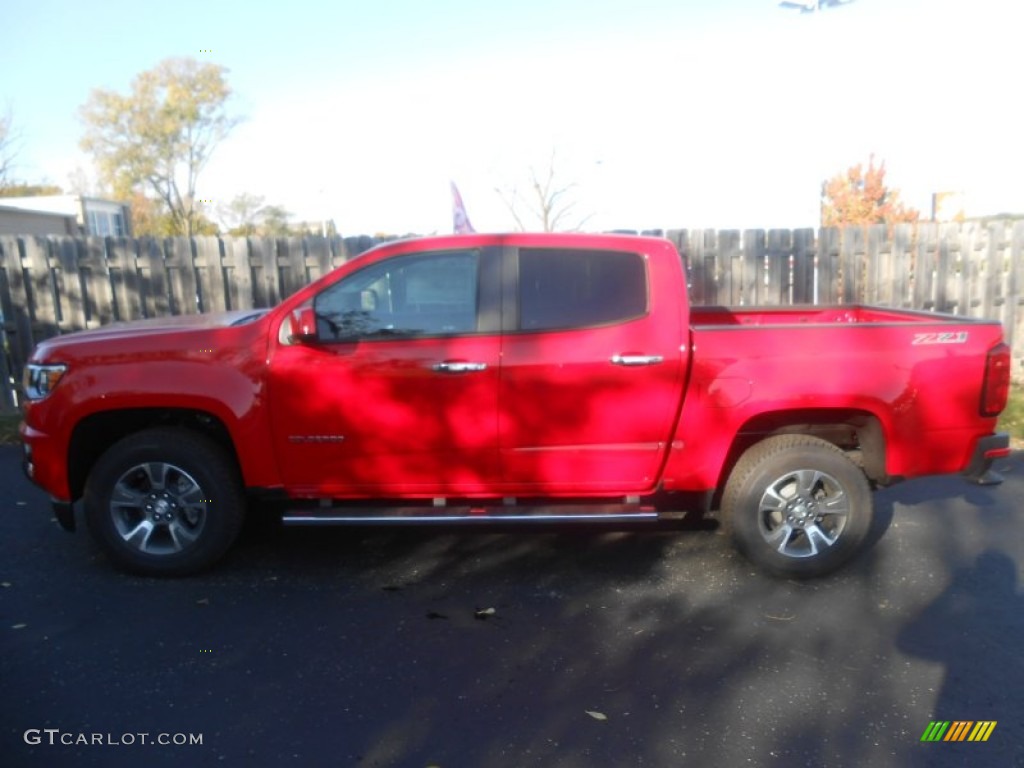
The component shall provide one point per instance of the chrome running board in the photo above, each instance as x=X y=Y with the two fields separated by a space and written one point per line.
x=439 y=511
x=466 y=518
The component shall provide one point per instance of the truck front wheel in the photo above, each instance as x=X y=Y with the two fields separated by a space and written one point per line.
x=797 y=506
x=164 y=502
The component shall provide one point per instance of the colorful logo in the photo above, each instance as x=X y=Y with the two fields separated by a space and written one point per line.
x=958 y=730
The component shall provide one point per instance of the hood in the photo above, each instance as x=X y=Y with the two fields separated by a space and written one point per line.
x=147 y=329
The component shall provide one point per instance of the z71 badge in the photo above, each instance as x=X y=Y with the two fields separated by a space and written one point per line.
x=940 y=338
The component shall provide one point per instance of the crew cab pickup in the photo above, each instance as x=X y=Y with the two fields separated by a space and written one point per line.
x=523 y=377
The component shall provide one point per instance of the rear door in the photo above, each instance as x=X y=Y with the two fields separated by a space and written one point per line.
x=592 y=370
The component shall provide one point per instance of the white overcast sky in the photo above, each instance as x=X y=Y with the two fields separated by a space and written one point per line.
x=722 y=113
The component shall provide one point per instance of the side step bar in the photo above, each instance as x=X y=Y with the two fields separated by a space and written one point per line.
x=590 y=513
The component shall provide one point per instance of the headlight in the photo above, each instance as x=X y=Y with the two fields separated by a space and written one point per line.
x=39 y=380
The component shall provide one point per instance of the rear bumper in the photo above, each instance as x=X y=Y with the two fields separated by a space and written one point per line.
x=987 y=450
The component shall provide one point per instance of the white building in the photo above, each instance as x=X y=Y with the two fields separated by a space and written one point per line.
x=94 y=215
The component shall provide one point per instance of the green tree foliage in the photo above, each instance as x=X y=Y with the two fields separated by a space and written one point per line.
x=275 y=222
x=158 y=138
x=860 y=196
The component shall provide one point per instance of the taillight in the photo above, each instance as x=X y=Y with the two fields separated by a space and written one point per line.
x=996 y=389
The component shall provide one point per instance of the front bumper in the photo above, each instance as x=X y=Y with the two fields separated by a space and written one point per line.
x=36 y=446
x=65 y=513
x=986 y=451
x=44 y=461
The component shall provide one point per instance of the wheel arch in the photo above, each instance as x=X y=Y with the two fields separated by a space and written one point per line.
x=95 y=433
x=857 y=432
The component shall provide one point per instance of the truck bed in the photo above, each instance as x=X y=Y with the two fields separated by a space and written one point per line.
x=708 y=317
x=917 y=375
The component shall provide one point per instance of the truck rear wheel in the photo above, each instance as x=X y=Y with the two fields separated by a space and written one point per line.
x=164 y=502
x=797 y=506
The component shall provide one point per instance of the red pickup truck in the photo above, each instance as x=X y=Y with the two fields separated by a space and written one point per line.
x=508 y=378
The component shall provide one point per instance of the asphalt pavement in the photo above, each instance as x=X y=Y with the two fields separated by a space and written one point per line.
x=541 y=647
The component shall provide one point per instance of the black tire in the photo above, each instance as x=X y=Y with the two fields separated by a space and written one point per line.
x=797 y=506
x=164 y=502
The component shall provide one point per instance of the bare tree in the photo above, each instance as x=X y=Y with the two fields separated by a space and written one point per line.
x=546 y=200
x=240 y=216
x=7 y=149
x=80 y=184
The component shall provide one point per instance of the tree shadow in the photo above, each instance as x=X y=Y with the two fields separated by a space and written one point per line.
x=973 y=630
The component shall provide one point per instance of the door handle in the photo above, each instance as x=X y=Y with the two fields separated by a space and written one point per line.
x=636 y=359
x=458 y=367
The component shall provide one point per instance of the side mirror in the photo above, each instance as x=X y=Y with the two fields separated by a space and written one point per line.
x=303 y=322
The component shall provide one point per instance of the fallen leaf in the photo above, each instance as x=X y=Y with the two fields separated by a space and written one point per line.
x=485 y=614
x=597 y=715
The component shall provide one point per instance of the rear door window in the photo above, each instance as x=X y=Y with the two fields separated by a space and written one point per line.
x=561 y=289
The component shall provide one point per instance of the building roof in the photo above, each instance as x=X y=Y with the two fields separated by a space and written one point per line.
x=66 y=205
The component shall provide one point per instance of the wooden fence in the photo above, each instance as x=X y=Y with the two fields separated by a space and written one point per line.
x=55 y=285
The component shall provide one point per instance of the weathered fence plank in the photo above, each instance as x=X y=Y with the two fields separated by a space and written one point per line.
x=318 y=259
x=777 y=269
x=926 y=257
x=877 y=269
x=1014 y=323
x=993 y=296
x=901 y=260
x=972 y=239
x=70 y=304
x=179 y=258
x=124 y=278
x=754 y=250
x=828 y=266
x=16 y=336
x=97 y=297
x=851 y=265
x=152 y=272
x=803 y=266
x=209 y=271
x=41 y=295
x=729 y=279
x=702 y=267
x=265 y=277
x=291 y=265
x=237 y=273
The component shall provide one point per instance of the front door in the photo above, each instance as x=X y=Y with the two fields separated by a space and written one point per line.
x=398 y=394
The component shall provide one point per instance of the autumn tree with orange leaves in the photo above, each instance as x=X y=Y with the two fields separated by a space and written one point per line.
x=860 y=196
